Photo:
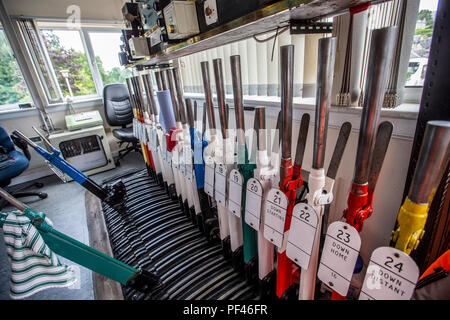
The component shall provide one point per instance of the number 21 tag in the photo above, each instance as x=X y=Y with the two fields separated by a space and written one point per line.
x=275 y=216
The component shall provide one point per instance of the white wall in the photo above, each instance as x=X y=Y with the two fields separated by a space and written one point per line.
x=90 y=9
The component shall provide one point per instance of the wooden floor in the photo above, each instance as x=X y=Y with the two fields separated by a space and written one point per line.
x=104 y=288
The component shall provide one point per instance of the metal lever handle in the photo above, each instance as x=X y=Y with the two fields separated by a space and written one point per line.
x=327 y=54
x=287 y=76
x=380 y=60
x=44 y=139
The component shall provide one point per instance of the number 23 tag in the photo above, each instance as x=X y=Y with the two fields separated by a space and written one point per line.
x=339 y=255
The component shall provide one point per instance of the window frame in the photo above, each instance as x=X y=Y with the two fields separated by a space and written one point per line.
x=98 y=81
x=90 y=56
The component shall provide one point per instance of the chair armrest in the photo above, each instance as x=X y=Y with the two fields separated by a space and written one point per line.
x=22 y=145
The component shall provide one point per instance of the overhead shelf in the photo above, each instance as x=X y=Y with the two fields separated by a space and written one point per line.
x=260 y=21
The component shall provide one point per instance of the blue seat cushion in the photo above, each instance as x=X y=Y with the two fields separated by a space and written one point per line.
x=20 y=165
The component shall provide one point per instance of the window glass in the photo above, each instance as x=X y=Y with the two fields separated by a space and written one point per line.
x=13 y=89
x=106 y=46
x=421 y=43
x=68 y=57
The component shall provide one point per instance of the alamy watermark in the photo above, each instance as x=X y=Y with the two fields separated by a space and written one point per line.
x=74 y=19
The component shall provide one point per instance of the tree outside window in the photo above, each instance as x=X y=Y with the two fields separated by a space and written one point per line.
x=106 y=46
x=13 y=89
x=421 y=43
x=66 y=52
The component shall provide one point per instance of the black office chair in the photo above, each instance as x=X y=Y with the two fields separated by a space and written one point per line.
x=116 y=101
x=12 y=164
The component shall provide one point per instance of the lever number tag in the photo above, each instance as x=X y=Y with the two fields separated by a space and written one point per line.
x=302 y=234
x=175 y=158
x=235 y=193
x=253 y=203
x=150 y=138
x=189 y=171
x=182 y=163
x=135 y=127
x=209 y=176
x=169 y=158
x=188 y=162
x=220 y=185
x=339 y=255
x=275 y=216
x=391 y=275
x=155 y=141
x=142 y=133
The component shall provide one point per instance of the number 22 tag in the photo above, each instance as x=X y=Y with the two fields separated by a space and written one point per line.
x=302 y=234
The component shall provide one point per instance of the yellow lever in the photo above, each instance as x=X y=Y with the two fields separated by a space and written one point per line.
x=411 y=223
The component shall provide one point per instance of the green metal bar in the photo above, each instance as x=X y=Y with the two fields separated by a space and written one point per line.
x=79 y=252
x=248 y=233
x=76 y=251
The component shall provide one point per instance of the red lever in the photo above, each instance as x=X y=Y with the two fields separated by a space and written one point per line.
x=359 y=8
x=171 y=140
x=359 y=206
x=286 y=270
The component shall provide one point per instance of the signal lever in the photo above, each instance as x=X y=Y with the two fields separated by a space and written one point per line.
x=113 y=194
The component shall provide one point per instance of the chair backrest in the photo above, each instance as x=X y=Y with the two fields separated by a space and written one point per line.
x=116 y=101
x=5 y=140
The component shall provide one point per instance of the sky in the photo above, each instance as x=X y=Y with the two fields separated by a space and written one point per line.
x=428 y=4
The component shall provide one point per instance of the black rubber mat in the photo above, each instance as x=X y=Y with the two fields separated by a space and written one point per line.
x=154 y=234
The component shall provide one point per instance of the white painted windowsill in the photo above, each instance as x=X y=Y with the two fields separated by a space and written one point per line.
x=57 y=107
x=404 y=117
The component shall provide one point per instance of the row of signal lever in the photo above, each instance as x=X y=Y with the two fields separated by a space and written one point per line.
x=253 y=213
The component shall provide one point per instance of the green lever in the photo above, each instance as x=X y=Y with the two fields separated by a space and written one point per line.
x=248 y=233
x=84 y=255
x=79 y=252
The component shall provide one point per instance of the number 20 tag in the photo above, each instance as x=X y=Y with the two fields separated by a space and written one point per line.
x=253 y=203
